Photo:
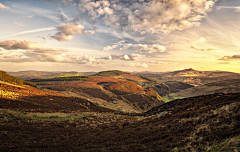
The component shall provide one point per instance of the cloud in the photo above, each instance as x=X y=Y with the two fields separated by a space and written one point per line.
x=149 y=48
x=202 y=39
x=32 y=31
x=67 y=30
x=19 y=24
x=30 y=16
x=144 y=65
x=230 y=58
x=15 y=6
x=24 y=45
x=200 y=49
x=151 y=16
x=109 y=48
x=4 y=7
x=137 y=47
x=196 y=43
x=33 y=52
x=236 y=8
x=224 y=63
x=125 y=57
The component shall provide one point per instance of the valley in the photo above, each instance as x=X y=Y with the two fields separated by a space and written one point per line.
x=118 y=111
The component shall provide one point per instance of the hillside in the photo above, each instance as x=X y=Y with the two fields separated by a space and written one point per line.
x=203 y=123
x=112 y=92
x=116 y=90
x=194 y=77
x=226 y=86
x=8 y=78
x=110 y=73
x=28 y=75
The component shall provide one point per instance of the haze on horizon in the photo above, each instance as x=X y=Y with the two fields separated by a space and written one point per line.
x=136 y=35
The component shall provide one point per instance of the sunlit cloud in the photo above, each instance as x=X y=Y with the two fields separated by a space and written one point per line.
x=67 y=30
x=19 y=24
x=231 y=58
x=137 y=47
x=4 y=7
x=30 y=16
x=125 y=57
x=33 y=52
x=148 y=16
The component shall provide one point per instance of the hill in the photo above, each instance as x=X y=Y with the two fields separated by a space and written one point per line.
x=28 y=75
x=116 y=89
x=226 y=86
x=202 y=123
x=196 y=78
x=113 y=92
x=8 y=78
x=110 y=73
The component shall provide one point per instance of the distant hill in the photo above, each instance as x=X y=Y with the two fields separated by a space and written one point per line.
x=28 y=75
x=195 y=77
x=111 y=73
x=226 y=86
x=71 y=78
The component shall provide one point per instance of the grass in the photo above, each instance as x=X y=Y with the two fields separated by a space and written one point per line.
x=117 y=109
x=170 y=97
x=43 y=116
x=10 y=84
x=232 y=144
x=166 y=99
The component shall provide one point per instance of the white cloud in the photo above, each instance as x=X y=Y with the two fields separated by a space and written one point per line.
x=197 y=45
x=32 y=31
x=236 y=8
x=137 y=47
x=25 y=45
x=67 y=30
x=15 y=6
x=30 y=16
x=19 y=24
x=4 y=7
x=152 y=16
x=149 y=48
x=109 y=48
x=125 y=57
x=29 y=51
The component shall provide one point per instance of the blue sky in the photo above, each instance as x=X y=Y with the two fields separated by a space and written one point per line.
x=137 y=35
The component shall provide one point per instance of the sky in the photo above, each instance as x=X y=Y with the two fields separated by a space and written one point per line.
x=128 y=35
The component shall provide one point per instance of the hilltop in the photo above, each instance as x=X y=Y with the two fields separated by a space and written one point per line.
x=111 y=73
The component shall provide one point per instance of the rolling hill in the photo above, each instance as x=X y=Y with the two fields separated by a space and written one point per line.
x=113 y=89
x=194 y=77
x=28 y=75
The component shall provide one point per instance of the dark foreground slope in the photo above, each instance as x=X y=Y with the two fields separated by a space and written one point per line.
x=203 y=123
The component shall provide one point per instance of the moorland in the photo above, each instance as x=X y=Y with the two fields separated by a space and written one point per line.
x=185 y=110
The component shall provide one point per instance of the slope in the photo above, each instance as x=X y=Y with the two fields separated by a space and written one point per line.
x=203 y=123
x=116 y=90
